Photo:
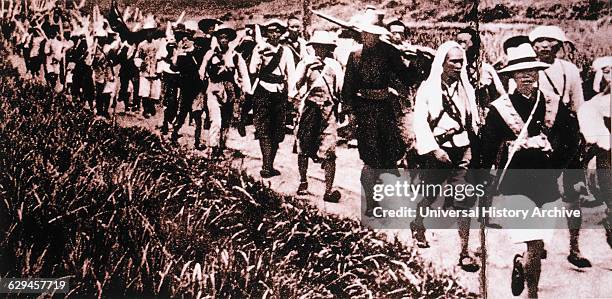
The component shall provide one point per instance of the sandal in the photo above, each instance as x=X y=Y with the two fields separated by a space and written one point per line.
x=471 y=266
x=518 y=276
x=418 y=235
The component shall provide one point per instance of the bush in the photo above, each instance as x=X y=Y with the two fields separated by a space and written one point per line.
x=123 y=214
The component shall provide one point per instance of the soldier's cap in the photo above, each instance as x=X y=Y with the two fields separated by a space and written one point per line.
x=553 y=32
x=227 y=30
x=396 y=26
x=275 y=23
x=320 y=37
x=522 y=57
x=207 y=24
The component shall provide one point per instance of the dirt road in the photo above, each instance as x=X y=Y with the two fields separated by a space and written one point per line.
x=559 y=278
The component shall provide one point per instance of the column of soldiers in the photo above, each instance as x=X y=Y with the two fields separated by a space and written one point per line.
x=409 y=105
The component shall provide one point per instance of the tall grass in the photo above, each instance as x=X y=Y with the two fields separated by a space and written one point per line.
x=124 y=215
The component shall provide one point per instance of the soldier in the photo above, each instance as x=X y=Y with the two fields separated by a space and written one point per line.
x=128 y=73
x=54 y=50
x=317 y=130
x=170 y=83
x=190 y=85
x=36 y=51
x=146 y=60
x=82 y=75
x=399 y=34
x=594 y=119
x=228 y=78
x=293 y=39
x=370 y=72
x=563 y=79
x=537 y=117
x=482 y=75
x=102 y=66
x=274 y=66
x=245 y=48
x=203 y=43
x=445 y=121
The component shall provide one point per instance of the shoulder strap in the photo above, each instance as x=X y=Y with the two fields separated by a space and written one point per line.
x=274 y=63
x=552 y=107
x=508 y=113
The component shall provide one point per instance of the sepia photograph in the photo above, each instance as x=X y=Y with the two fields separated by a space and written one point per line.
x=305 y=149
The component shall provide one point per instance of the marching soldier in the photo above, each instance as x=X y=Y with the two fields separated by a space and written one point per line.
x=366 y=94
x=128 y=73
x=445 y=123
x=528 y=129
x=273 y=63
x=563 y=79
x=170 y=83
x=594 y=119
x=146 y=60
x=190 y=85
x=482 y=75
x=81 y=54
x=293 y=39
x=102 y=66
x=228 y=78
x=54 y=50
x=317 y=130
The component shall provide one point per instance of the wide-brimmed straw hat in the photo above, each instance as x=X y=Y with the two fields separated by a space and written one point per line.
x=522 y=57
x=322 y=38
x=553 y=32
x=224 y=29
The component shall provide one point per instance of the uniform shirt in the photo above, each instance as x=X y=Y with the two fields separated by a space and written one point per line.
x=448 y=118
x=561 y=135
x=297 y=47
x=375 y=68
x=103 y=64
x=563 y=79
x=322 y=83
x=53 y=50
x=285 y=68
x=594 y=119
x=225 y=66
x=147 y=53
x=36 y=43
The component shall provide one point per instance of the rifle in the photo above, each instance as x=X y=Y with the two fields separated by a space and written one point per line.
x=337 y=21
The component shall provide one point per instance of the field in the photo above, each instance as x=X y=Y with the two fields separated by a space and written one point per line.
x=121 y=213
x=587 y=23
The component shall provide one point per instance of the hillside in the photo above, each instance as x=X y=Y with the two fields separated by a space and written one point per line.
x=244 y=11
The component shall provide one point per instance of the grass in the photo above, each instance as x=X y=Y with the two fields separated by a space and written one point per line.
x=123 y=214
